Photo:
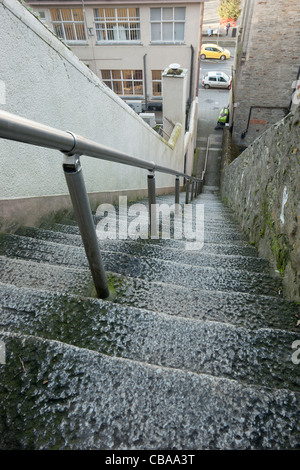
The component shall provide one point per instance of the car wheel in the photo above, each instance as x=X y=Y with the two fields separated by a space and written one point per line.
x=222 y=57
x=206 y=86
x=203 y=56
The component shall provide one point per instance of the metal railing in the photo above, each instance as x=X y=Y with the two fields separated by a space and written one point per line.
x=16 y=128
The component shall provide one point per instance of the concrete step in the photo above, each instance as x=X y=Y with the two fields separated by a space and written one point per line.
x=149 y=269
x=262 y=357
x=74 y=398
x=242 y=309
x=131 y=247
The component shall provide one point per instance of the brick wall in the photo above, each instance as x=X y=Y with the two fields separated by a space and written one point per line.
x=267 y=64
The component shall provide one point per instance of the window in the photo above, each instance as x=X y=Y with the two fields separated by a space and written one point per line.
x=68 y=24
x=156 y=82
x=124 y=82
x=167 y=24
x=117 y=24
x=212 y=79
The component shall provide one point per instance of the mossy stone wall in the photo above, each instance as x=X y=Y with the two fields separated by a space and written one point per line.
x=262 y=186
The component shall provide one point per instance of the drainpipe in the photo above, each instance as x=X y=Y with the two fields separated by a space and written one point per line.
x=199 y=48
x=145 y=82
x=191 y=74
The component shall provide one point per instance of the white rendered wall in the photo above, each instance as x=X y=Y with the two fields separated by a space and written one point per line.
x=45 y=82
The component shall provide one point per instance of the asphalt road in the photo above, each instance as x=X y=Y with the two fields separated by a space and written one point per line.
x=213 y=99
x=210 y=102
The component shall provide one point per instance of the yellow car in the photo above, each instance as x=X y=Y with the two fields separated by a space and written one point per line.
x=213 y=51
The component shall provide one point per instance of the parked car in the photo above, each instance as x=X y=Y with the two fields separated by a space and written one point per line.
x=216 y=80
x=213 y=51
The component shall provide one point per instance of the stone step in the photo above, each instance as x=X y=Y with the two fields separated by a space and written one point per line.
x=61 y=234
x=150 y=269
x=241 y=309
x=73 y=398
x=262 y=357
x=198 y=258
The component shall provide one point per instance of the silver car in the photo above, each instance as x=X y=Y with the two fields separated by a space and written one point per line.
x=216 y=80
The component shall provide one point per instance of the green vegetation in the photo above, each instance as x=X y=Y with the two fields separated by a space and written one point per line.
x=229 y=9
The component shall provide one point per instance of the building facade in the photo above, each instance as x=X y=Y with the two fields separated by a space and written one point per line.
x=267 y=67
x=129 y=43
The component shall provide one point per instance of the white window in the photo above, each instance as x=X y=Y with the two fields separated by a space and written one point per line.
x=167 y=24
x=124 y=82
x=68 y=24
x=117 y=24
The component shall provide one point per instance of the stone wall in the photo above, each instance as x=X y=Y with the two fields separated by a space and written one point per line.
x=262 y=186
x=267 y=65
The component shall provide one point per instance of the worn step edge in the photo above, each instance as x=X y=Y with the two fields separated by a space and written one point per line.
x=260 y=357
x=232 y=279
x=214 y=249
x=245 y=309
x=198 y=257
x=91 y=401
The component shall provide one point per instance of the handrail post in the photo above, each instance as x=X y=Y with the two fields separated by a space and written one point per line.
x=177 y=189
x=152 y=205
x=187 y=190
x=192 y=190
x=74 y=178
x=196 y=189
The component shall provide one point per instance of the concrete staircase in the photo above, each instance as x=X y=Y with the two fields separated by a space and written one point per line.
x=192 y=351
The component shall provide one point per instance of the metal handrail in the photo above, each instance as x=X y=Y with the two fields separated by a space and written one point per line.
x=16 y=128
x=13 y=127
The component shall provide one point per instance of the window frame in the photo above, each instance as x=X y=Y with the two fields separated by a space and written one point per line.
x=118 y=21
x=163 y=21
x=72 y=23
x=123 y=80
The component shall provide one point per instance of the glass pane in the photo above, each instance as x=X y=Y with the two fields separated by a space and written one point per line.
x=123 y=32
x=167 y=13
x=167 y=32
x=112 y=34
x=134 y=13
x=66 y=14
x=117 y=87
x=100 y=31
x=108 y=84
x=116 y=74
x=70 y=33
x=110 y=13
x=127 y=75
x=179 y=14
x=80 y=32
x=105 y=74
x=98 y=13
x=122 y=13
x=135 y=31
x=58 y=29
x=155 y=14
x=156 y=87
x=55 y=14
x=155 y=32
x=179 y=31
x=137 y=74
x=128 y=89
x=77 y=14
x=156 y=74
x=138 y=88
